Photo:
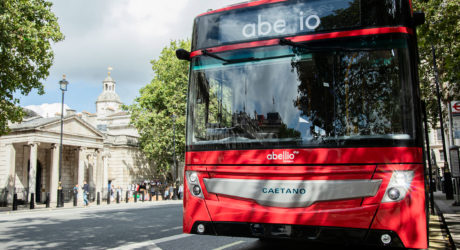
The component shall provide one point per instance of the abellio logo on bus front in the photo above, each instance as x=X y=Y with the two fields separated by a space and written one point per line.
x=285 y=156
x=264 y=27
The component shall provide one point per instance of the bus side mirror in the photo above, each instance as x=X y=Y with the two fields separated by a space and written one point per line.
x=419 y=18
x=182 y=54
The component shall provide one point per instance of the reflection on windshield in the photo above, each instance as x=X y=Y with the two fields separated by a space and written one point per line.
x=307 y=98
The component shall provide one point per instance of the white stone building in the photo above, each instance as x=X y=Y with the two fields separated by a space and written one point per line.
x=101 y=149
x=436 y=149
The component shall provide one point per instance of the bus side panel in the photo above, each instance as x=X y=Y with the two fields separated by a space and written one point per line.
x=407 y=218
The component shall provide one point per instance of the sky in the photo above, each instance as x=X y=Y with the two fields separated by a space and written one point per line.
x=123 y=34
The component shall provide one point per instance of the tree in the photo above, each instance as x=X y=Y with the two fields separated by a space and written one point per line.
x=152 y=112
x=27 y=28
x=442 y=30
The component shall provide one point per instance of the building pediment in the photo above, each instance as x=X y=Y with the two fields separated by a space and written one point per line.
x=76 y=132
x=73 y=126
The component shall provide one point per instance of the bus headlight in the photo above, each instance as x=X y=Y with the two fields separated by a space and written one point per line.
x=200 y=228
x=193 y=177
x=386 y=239
x=399 y=186
x=196 y=190
x=394 y=194
x=194 y=184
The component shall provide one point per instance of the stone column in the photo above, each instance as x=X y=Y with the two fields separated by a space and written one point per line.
x=81 y=173
x=11 y=164
x=105 y=165
x=91 y=166
x=33 y=168
x=25 y=172
x=54 y=173
x=99 y=172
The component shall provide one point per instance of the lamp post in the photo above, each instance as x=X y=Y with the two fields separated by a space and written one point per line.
x=430 y=169
x=60 y=197
x=447 y=174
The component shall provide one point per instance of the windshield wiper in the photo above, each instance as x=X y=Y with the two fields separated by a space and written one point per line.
x=239 y=60
x=228 y=61
x=284 y=41
x=207 y=53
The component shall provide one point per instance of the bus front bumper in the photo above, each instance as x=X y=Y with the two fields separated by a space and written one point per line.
x=338 y=236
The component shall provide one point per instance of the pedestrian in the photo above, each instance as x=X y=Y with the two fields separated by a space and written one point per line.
x=138 y=188
x=131 y=190
x=112 y=193
x=166 y=193
x=171 y=191
x=181 y=191
x=85 y=193
x=75 y=192
x=152 y=190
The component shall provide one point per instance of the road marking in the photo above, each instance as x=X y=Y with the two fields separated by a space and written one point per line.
x=152 y=243
x=170 y=229
x=230 y=245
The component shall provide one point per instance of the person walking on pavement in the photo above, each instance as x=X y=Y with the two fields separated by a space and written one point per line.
x=152 y=190
x=181 y=191
x=171 y=192
x=75 y=192
x=85 y=193
x=166 y=193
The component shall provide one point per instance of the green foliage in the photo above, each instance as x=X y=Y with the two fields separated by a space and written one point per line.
x=441 y=29
x=152 y=111
x=26 y=29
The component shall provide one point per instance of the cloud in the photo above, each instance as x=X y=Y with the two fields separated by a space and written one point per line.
x=124 y=34
x=48 y=109
x=145 y=20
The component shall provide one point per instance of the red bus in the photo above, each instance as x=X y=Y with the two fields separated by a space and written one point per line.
x=304 y=122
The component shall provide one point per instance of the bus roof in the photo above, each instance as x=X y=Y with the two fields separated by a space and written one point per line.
x=242 y=5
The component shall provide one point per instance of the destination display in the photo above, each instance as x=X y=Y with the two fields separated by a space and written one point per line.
x=292 y=18
x=283 y=20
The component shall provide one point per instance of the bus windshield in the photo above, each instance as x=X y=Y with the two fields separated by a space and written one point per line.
x=288 y=96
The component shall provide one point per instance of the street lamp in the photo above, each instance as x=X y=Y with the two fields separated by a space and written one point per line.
x=448 y=187
x=60 y=196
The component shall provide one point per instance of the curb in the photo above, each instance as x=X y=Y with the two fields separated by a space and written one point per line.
x=94 y=206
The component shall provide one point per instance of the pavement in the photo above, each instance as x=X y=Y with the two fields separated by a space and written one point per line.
x=450 y=217
x=69 y=205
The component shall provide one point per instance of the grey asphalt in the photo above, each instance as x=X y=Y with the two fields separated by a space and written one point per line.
x=90 y=228
x=155 y=225
x=150 y=225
